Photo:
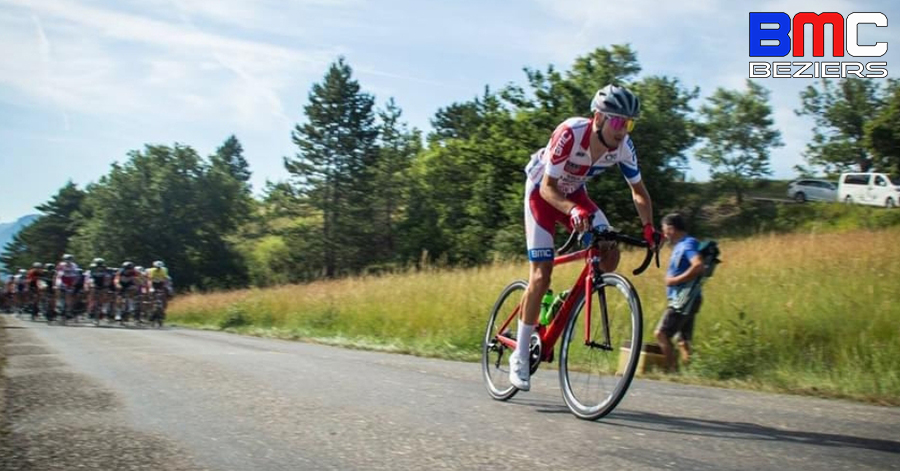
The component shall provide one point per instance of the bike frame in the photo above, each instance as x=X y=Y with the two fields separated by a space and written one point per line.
x=550 y=334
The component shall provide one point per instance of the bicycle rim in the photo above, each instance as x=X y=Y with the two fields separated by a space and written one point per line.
x=494 y=355
x=594 y=379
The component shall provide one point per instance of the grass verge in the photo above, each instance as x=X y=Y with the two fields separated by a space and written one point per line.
x=806 y=313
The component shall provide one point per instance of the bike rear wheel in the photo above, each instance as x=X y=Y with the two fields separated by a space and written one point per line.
x=159 y=312
x=495 y=355
x=593 y=377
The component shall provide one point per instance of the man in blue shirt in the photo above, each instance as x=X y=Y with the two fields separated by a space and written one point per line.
x=682 y=290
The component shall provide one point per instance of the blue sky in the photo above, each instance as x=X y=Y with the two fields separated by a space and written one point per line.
x=82 y=82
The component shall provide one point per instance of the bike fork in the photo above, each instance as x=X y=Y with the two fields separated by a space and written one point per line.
x=600 y=288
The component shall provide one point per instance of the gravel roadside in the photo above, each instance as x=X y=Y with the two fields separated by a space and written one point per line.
x=53 y=418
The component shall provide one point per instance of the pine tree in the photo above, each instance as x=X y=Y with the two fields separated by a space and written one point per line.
x=398 y=146
x=47 y=238
x=230 y=156
x=334 y=148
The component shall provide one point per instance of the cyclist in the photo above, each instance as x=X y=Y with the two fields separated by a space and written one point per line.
x=126 y=283
x=79 y=293
x=21 y=282
x=34 y=277
x=49 y=296
x=158 y=279
x=67 y=273
x=95 y=287
x=555 y=192
x=141 y=282
x=98 y=283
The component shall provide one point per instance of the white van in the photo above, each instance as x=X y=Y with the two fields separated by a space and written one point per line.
x=877 y=189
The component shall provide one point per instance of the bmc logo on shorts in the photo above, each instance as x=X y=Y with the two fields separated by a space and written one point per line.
x=540 y=254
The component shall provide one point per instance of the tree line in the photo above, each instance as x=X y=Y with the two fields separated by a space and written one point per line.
x=367 y=193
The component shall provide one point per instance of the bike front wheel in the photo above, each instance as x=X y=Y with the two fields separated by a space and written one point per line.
x=596 y=366
x=495 y=355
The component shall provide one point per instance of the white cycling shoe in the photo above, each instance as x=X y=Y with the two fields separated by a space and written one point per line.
x=519 y=373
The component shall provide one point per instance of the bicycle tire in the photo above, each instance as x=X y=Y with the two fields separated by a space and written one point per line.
x=576 y=404
x=64 y=311
x=162 y=311
x=494 y=365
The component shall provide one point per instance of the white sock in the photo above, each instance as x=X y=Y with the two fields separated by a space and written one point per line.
x=523 y=339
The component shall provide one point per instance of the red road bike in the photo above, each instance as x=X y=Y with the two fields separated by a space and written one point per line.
x=598 y=356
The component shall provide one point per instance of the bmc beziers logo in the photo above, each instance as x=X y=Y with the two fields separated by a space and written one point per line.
x=767 y=28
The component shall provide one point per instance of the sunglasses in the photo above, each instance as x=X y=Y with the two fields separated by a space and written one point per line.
x=619 y=122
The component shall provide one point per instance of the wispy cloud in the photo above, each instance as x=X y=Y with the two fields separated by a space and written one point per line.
x=176 y=61
x=287 y=17
x=43 y=42
x=124 y=26
x=168 y=62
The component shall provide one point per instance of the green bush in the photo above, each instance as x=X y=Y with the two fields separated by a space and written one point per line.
x=733 y=350
x=235 y=316
x=268 y=261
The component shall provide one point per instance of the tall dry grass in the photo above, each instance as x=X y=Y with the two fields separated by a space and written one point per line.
x=823 y=311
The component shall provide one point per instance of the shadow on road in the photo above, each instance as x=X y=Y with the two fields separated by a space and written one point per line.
x=742 y=430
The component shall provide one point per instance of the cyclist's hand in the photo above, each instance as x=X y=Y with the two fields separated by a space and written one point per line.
x=580 y=219
x=651 y=235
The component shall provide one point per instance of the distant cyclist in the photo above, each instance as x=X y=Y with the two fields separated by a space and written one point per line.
x=34 y=278
x=99 y=283
x=67 y=275
x=158 y=280
x=20 y=280
x=126 y=282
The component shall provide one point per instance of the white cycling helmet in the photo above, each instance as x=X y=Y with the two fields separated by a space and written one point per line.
x=158 y=264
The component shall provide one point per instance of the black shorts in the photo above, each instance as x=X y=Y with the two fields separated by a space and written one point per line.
x=673 y=321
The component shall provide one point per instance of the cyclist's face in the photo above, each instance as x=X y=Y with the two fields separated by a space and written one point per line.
x=611 y=135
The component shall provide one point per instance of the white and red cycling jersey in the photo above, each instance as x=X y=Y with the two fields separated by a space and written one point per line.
x=567 y=157
x=67 y=274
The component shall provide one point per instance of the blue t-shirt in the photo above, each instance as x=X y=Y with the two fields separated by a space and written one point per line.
x=684 y=251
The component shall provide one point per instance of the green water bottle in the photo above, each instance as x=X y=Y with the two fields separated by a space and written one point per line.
x=546 y=302
x=555 y=305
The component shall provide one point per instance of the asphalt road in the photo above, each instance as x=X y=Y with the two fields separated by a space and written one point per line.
x=176 y=399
